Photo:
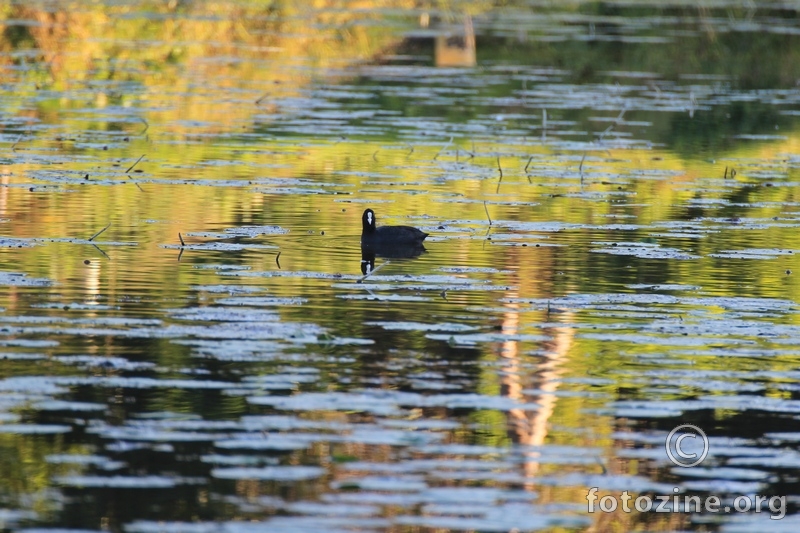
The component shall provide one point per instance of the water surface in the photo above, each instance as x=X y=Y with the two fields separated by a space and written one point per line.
x=189 y=342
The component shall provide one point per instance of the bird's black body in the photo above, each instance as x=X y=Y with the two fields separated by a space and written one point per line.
x=387 y=236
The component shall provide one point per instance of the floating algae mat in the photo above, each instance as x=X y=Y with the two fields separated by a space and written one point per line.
x=193 y=340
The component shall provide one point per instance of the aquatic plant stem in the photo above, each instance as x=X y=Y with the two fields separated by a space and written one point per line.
x=99 y=232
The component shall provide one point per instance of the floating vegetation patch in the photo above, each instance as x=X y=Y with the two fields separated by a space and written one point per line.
x=219 y=246
x=86 y=241
x=416 y=326
x=273 y=473
x=93 y=362
x=291 y=274
x=255 y=231
x=254 y=350
x=261 y=301
x=470 y=339
x=488 y=517
x=384 y=297
x=97 y=461
x=10 y=242
x=664 y=287
x=224 y=314
x=118 y=482
x=141 y=432
x=62 y=405
x=34 y=429
x=387 y=403
x=752 y=253
x=22 y=280
x=29 y=343
x=228 y=289
x=473 y=270
x=643 y=251
x=221 y=268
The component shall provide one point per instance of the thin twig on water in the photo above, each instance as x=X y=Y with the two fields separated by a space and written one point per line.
x=137 y=185
x=131 y=168
x=526 y=170
x=443 y=149
x=371 y=272
x=500 y=180
x=101 y=251
x=544 y=125
x=524 y=90
x=613 y=124
x=485 y=208
x=99 y=232
x=136 y=163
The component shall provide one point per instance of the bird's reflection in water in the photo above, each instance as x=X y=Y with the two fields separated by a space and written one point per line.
x=369 y=253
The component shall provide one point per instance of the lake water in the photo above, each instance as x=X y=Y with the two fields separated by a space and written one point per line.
x=193 y=341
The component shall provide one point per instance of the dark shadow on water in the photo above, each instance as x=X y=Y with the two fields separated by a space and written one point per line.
x=369 y=253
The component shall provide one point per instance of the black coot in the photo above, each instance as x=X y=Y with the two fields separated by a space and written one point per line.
x=386 y=236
